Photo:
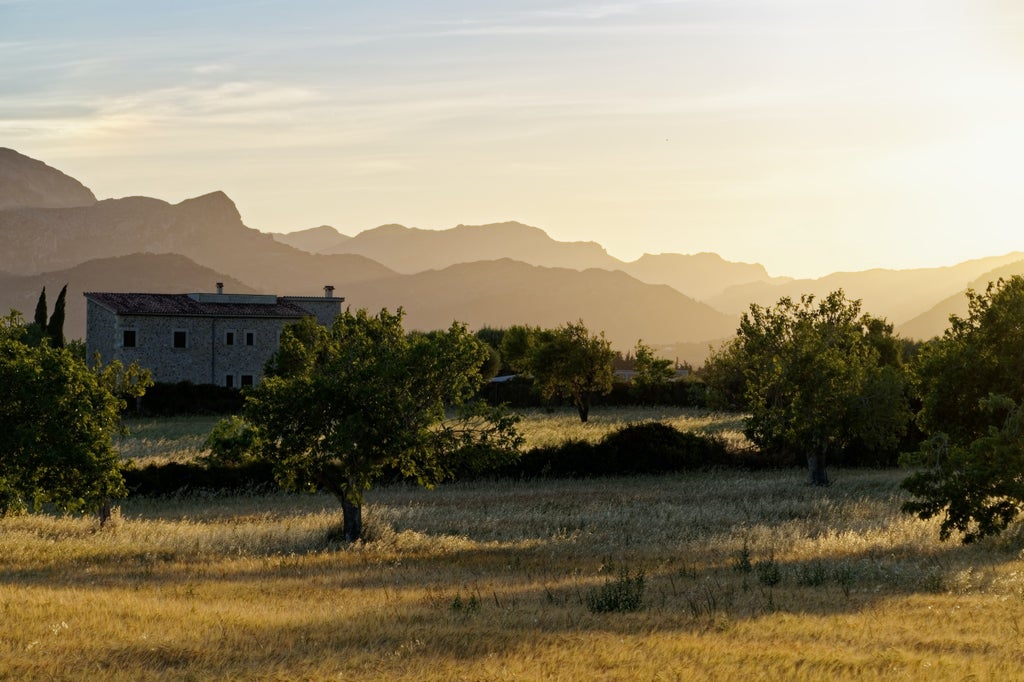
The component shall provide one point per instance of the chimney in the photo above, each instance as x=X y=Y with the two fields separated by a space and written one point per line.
x=328 y=291
x=220 y=287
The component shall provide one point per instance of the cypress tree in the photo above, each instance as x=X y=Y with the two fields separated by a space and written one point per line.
x=40 y=318
x=55 y=329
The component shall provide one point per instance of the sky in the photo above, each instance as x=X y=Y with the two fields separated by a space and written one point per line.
x=811 y=136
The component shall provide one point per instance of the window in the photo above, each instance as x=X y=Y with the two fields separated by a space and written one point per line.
x=246 y=380
x=128 y=338
x=229 y=338
x=229 y=381
x=180 y=339
x=250 y=338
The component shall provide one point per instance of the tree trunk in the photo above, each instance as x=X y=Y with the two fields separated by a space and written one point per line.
x=816 y=467
x=583 y=407
x=351 y=512
x=352 y=519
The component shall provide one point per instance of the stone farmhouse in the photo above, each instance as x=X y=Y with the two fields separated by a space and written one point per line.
x=204 y=338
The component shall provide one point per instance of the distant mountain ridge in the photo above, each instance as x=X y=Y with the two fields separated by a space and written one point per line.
x=411 y=250
x=52 y=230
x=934 y=321
x=206 y=240
x=505 y=292
x=897 y=295
x=314 y=240
x=26 y=182
x=136 y=273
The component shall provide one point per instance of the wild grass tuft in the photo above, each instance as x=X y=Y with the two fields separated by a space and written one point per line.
x=623 y=594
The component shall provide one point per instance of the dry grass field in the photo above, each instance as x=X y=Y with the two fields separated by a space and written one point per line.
x=745 y=576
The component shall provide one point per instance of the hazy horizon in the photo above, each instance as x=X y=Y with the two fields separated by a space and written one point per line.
x=809 y=137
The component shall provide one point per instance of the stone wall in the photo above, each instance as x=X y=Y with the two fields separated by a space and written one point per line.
x=214 y=348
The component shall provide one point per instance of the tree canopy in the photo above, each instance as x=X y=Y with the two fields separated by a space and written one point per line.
x=819 y=380
x=566 y=362
x=57 y=419
x=971 y=389
x=53 y=330
x=651 y=373
x=340 y=406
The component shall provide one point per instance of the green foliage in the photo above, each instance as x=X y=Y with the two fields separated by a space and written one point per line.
x=977 y=487
x=820 y=381
x=124 y=382
x=724 y=374
x=971 y=394
x=648 y=448
x=768 y=572
x=176 y=478
x=232 y=442
x=341 y=406
x=186 y=398
x=55 y=327
x=624 y=594
x=976 y=356
x=57 y=419
x=517 y=344
x=37 y=329
x=41 y=310
x=651 y=375
x=566 y=362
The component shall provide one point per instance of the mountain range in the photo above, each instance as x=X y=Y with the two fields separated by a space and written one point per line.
x=53 y=231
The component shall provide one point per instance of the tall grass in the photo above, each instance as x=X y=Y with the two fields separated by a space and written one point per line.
x=746 y=576
x=543 y=428
x=180 y=439
x=164 y=439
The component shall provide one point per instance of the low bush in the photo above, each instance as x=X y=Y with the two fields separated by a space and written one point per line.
x=624 y=594
x=186 y=398
x=654 y=448
x=158 y=480
x=648 y=448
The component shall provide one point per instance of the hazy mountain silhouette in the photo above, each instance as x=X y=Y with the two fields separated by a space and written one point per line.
x=496 y=274
x=409 y=250
x=897 y=295
x=314 y=240
x=207 y=229
x=700 y=275
x=412 y=250
x=504 y=292
x=933 y=322
x=214 y=245
x=137 y=273
x=26 y=182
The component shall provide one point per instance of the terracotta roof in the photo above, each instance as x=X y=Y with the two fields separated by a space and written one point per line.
x=183 y=305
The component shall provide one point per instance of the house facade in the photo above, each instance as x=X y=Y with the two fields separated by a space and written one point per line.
x=205 y=338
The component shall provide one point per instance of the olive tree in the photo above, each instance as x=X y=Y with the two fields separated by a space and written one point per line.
x=341 y=405
x=565 y=362
x=57 y=419
x=651 y=373
x=818 y=379
x=971 y=390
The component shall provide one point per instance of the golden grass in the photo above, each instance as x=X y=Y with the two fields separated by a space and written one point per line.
x=488 y=581
x=165 y=439
x=180 y=439
x=552 y=427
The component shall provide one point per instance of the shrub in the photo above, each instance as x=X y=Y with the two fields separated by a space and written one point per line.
x=653 y=448
x=649 y=448
x=186 y=398
x=624 y=594
x=157 y=480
